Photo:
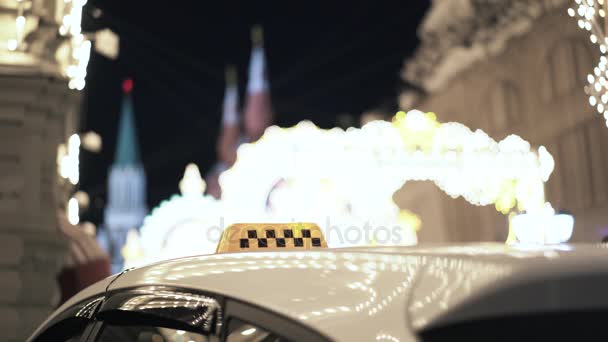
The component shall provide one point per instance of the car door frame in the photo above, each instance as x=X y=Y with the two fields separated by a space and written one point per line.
x=276 y=323
x=81 y=313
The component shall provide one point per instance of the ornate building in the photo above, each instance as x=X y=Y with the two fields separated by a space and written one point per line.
x=126 y=206
x=42 y=57
x=511 y=67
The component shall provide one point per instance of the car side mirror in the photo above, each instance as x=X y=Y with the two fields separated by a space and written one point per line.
x=163 y=306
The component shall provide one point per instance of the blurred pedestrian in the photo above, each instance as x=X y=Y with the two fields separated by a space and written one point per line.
x=86 y=262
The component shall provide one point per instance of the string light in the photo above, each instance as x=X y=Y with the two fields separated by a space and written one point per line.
x=305 y=173
x=415 y=146
x=68 y=159
x=75 y=62
x=72 y=211
x=590 y=15
x=77 y=70
x=186 y=224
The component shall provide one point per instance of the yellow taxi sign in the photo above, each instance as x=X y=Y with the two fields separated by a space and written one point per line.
x=252 y=237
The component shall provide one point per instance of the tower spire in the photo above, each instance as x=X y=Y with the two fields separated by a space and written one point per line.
x=126 y=200
x=127 y=149
x=257 y=36
x=230 y=131
x=258 y=107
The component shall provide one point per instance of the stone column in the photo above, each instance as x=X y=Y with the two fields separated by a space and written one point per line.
x=37 y=113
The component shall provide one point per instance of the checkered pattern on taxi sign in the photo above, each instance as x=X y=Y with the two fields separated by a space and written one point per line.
x=246 y=237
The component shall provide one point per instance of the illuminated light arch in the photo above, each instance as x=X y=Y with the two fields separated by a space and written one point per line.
x=310 y=174
x=186 y=224
x=305 y=173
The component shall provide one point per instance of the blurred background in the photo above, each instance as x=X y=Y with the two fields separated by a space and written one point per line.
x=131 y=132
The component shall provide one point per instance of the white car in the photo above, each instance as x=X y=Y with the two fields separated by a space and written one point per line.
x=470 y=292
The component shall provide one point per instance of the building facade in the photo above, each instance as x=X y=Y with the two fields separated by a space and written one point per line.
x=513 y=67
x=39 y=109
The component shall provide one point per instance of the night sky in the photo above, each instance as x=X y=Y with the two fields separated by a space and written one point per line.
x=324 y=60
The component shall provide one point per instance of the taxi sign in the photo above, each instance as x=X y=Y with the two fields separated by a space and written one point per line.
x=252 y=237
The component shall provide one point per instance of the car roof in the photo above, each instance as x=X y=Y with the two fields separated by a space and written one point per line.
x=368 y=293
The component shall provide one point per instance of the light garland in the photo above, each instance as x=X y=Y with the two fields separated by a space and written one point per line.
x=472 y=165
x=414 y=147
x=68 y=159
x=344 y=181
x=75 y=51
x=308 y=174
x=72 y=211
x=76 y=70
x=186 y=224
x=590 y=15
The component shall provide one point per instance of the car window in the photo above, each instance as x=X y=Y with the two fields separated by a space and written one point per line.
x=68 y=330
x=239 y=331
x=60 y=337
x=253 y=323
x=142 y=333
